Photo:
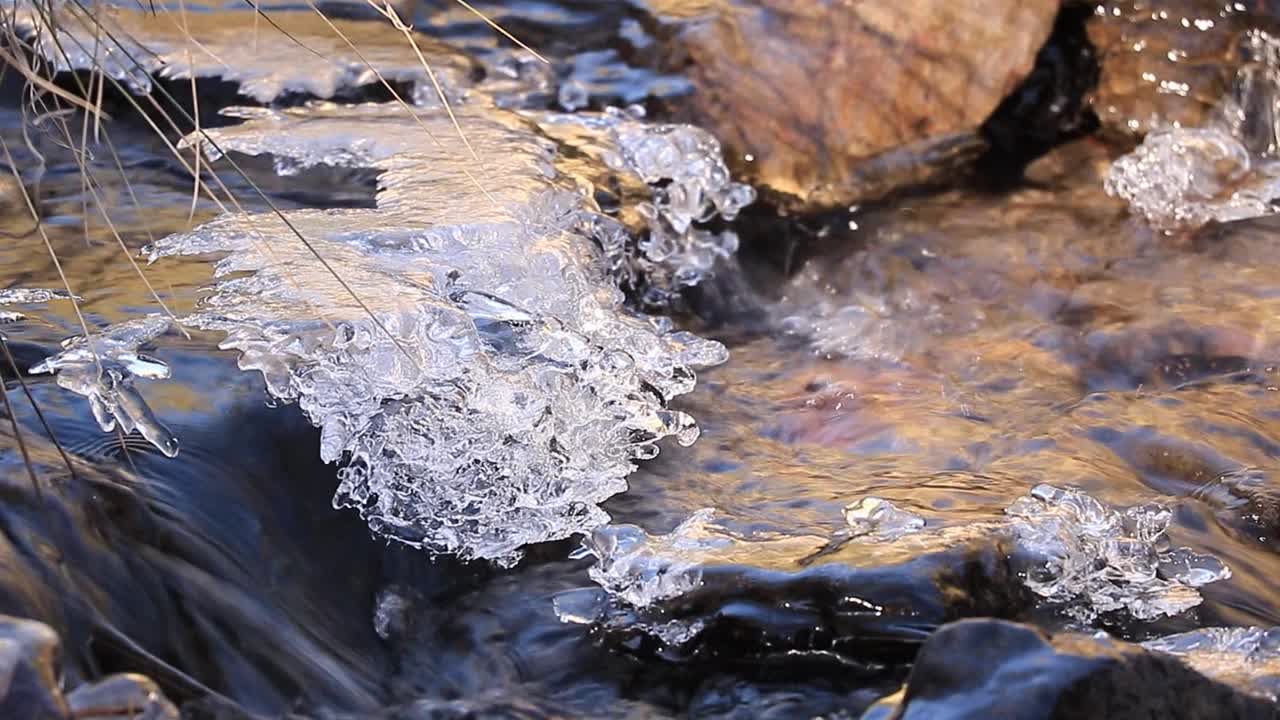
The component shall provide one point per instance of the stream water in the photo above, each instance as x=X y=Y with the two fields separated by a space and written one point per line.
x=517 y=426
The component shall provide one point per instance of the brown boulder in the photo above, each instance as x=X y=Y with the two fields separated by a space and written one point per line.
x=836 y=101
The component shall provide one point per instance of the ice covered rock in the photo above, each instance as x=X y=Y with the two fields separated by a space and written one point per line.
x=295 y=52
x=655 y=241
x=1244 y=657
x=1060 y=547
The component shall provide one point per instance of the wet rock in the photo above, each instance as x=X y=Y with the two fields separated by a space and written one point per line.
x=121 y=697
x=795 y=602
x=30 y=670
x=993 y=668
x=832 y=102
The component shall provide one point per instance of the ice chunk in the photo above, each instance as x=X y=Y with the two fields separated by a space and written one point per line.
x=688 y=186
x=1228 y=170
x=461 y=346
x=877 y=519
x=297 y=52
x=641 y=569
x=390 y=612
x=1246 y=657
x=1095 y=559
x=1187 y=177
x=29 y=296
x=102 y=368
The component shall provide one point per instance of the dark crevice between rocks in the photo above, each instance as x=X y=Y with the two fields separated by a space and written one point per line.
x=1048 y=109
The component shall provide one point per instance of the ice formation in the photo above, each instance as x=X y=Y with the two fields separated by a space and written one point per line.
x=27 y=296
x=103 y=366
x=293 y=52
x=1246 y=657
x=641 y=569
x=474 y=370
x=1229 y=170
x=1095 y=559
x=463 y=346
x=687 y=183
x=658 y=243
x=873 y=518
x=1075 y=551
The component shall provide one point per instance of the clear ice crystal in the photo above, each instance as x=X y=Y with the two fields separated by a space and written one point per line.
x=474 y=369
x=1095 y=559
x=1246 y=657
x=103 y=367
x=873 y=518
x=641 y=569
x=296 y=53
x=688 y=186
x=1229 y=170
x=1187 y=177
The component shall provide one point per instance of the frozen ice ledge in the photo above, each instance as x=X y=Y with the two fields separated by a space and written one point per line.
x=463 y=346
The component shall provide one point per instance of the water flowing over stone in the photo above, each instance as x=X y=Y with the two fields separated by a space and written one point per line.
x=1244 y=657
x=1229 y=169
x=1072 y=551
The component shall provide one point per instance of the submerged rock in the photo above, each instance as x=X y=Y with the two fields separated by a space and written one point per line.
x=31 y=682
x=992 y=668
x=30 y=670
x=832 y=102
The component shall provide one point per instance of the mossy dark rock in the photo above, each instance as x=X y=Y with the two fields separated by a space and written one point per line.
x=996 y=669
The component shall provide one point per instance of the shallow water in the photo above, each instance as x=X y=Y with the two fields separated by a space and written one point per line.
x=948 y=355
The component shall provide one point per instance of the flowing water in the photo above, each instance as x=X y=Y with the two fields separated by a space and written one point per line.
x=416 y=430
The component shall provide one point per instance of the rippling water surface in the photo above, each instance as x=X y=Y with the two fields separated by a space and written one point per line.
x=1024 y=404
